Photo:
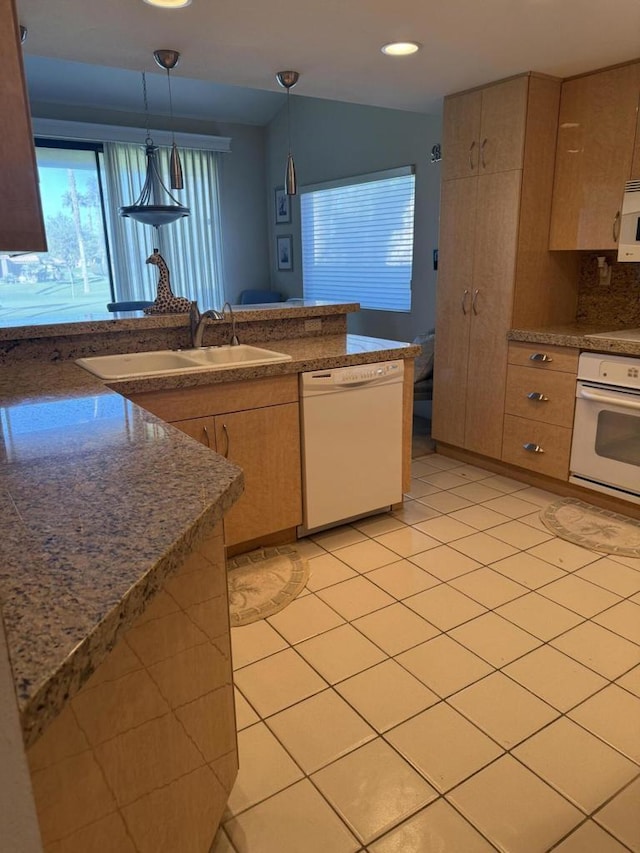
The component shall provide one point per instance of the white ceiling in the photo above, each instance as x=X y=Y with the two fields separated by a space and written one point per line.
x=334 y=44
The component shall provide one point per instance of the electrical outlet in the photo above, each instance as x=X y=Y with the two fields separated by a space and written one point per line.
x=314 y=325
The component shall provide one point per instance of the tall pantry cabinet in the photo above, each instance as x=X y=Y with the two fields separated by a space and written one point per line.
x=495 y=270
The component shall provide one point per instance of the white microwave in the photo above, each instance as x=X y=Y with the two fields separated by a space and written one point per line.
x=629 y=240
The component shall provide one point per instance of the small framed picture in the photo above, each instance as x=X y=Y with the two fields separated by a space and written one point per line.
x=284 y=249
x=283 y=208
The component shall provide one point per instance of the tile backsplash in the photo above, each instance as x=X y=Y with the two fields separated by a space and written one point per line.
x=617 y=303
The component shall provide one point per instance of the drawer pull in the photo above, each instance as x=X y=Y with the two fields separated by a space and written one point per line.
x=226 y=435
x=206 y=435
x=464 y=302
x=540 y=356
x=484 y=142
x=471 y=164
x=530 y=447
x=538 y=397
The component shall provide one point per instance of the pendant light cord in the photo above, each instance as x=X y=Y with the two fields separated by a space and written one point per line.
x=148 y=140
x=173 y=135
x=289 y=117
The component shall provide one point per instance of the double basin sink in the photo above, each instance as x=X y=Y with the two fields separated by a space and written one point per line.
x=136 y=364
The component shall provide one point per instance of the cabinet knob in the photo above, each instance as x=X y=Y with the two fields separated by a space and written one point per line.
x=538 y=397
x=530 y=447
x=540 y=356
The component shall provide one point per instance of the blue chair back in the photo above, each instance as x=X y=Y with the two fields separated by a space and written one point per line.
x=135 y=305
x=254 y=297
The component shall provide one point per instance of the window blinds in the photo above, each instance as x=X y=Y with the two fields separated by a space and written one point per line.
x=357 y=240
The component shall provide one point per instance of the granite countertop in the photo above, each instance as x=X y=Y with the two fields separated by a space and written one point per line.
x=106 y=323
x=100 y=503
x=326 y=352
x=575 y=335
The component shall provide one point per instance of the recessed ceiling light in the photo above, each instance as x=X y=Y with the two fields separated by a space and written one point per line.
x=169 y=4
x=400 y=48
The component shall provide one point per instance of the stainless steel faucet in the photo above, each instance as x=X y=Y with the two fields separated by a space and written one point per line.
x=197 y=325
x=233 y=340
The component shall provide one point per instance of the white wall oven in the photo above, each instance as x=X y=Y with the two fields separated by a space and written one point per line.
x=605 y=454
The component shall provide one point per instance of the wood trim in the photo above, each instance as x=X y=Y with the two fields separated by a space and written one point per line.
x=184 y=403
x=540 y=481
x=281 y=537
x=598 y=70
x=492 y=83
x=407 y=422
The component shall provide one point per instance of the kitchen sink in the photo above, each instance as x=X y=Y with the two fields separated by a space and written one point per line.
x=131 y=365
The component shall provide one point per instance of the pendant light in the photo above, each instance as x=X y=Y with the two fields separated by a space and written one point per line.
x=288 y=79
x=168 y=59
x=147 y=208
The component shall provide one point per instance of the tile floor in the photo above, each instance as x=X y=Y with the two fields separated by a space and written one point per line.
x=454 y=678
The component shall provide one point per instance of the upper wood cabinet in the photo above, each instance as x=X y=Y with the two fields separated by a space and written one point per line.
x=595 y=148
x=21 y=223
x=484 y=130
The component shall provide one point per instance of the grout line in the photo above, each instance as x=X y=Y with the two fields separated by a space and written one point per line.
x=393 y=657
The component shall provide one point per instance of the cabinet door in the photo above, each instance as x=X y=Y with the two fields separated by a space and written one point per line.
x=202 y=429
x=593 y=157
x=453 y=313
x=21 y=224
x=494 y=256
x=461 y=135
x=265 y=443
x=503 y=124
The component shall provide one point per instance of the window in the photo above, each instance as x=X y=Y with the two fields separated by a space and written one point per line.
x=73 y=278
x=357 y=240
x=96 y=256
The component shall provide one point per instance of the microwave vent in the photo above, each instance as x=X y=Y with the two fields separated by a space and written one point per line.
x=632 y=187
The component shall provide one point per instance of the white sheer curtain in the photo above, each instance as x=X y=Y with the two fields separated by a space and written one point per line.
x=191 y=246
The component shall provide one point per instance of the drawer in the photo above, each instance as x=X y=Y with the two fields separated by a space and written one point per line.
x=554 y=441
x=558 y=392
x=549 y=357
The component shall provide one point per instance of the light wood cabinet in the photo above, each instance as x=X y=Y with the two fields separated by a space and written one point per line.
x=540 y=447
x=539 y=408
x=484 y=130
x=494 y=249
x=256 y=425
x=595 y=149
x=21 y=223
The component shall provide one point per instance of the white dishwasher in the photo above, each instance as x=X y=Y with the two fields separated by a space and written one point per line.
x=351 y=441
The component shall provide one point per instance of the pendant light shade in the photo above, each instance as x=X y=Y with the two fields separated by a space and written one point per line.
x=168 y=59
x=290 y=181
x=148 y=207
x=288 y=79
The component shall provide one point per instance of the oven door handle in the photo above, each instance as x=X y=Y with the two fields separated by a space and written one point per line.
x=597 y=397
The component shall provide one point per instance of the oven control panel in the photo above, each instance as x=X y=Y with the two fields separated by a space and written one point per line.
x=617 y=370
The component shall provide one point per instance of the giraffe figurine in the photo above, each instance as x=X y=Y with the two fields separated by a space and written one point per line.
x=165 y=301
